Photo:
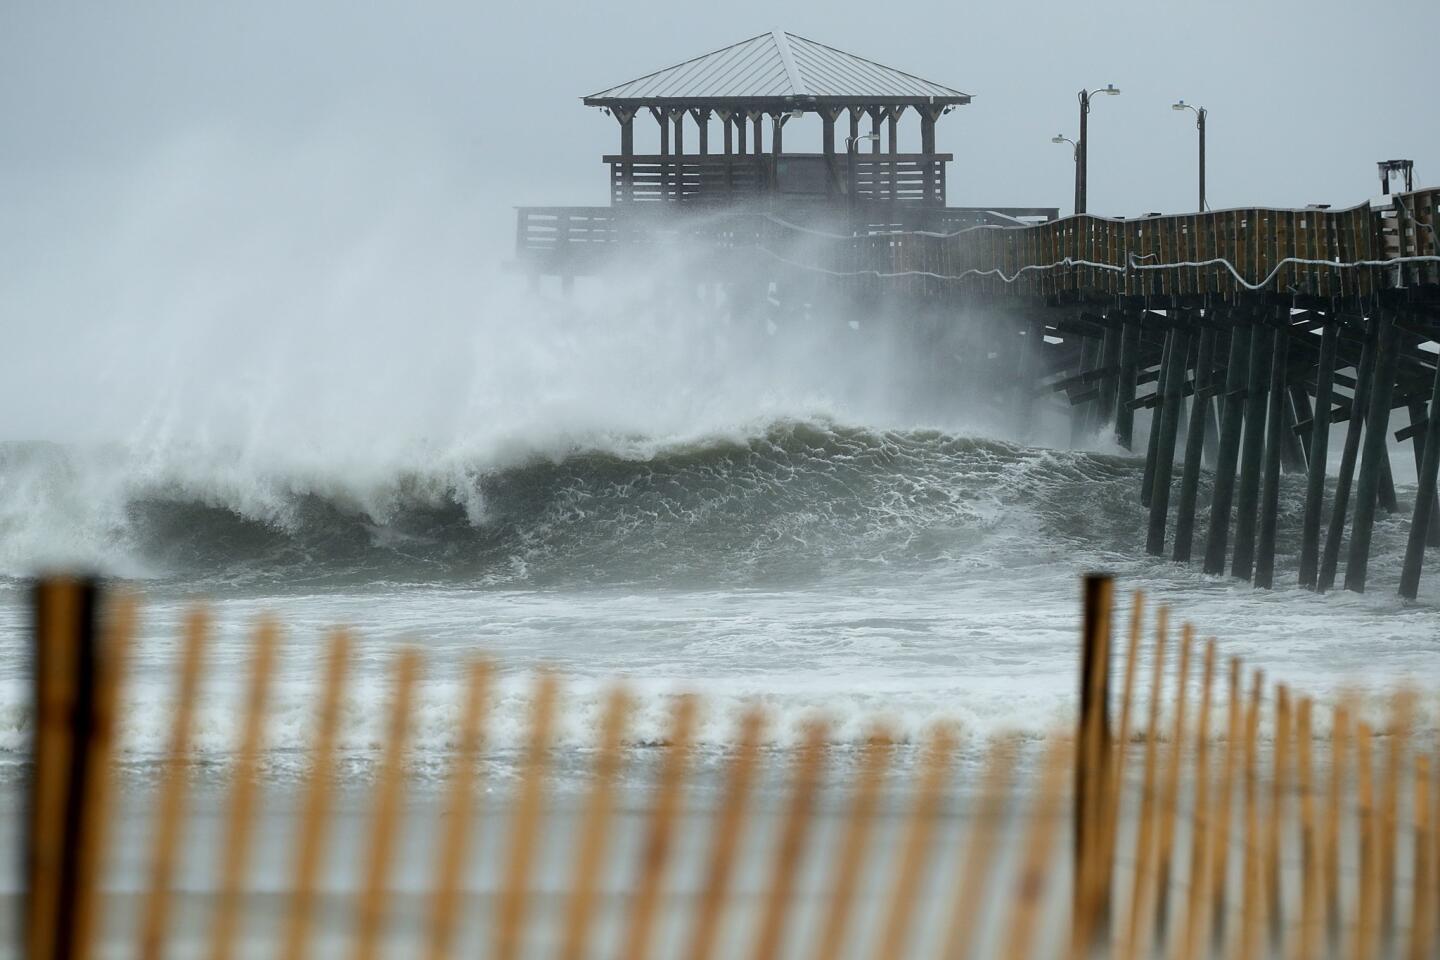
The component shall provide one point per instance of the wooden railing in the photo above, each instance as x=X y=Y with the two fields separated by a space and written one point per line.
x=1310 y=252
x=718 y=178
x=1188 y=838
x=1314 y=253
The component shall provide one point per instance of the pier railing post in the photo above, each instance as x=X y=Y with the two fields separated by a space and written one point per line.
x=1367 y=494
x=1424 y=497
x=1231 y=422
x=1319 y=447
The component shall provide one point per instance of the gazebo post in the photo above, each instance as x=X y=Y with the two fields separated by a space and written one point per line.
x=679 y=173
x=827 y=141
x=759 y=131
x=928 y=116
x=627 y=149
x=893 y=132
x=851 y=184
x=702 y=121
x=664 y=121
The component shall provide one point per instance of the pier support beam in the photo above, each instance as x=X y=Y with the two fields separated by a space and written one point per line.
x=1377 y=426
x=1242 y=564
x=1081 y=414
x=1319 y=447
x=1168 y=418
x=1152 y=444
x=1232 y=419
x=1194 y=446
x=1417 y=415
x=1278 y=426
x=1345 y=476
x=1125 y=382
x=1425 y=512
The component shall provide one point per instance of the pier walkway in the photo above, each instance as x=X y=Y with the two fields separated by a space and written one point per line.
x=1246 y=335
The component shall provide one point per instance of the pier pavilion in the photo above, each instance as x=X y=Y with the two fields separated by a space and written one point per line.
x=862 y=178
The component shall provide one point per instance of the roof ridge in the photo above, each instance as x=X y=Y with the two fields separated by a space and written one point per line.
x=781 y=40
x=877 y=63
x=675 y=66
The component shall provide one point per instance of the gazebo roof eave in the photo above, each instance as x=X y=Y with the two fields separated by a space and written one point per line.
x=768 y=104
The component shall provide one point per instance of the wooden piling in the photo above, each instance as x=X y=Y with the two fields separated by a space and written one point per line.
x=1194 y=447
x=1152 y=443
x=1109 y=360
x=1168 y=416
x=1082 y=414
x=1425 y=490
x=1125 y=382
x=1416 y=407
x=1319 y=447
x=1231 y=423
x=1274 y=440
x=1377 y=428
x=1248 y=494
x=1345 y=475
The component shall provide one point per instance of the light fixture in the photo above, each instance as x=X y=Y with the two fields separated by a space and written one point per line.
x=1109 y=88
x=1058 y=139
x=872 y=136
x=1179 y=105
x=797 y=113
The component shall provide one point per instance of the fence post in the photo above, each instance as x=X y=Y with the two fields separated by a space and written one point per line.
x=63 y=670
x=1092 y=868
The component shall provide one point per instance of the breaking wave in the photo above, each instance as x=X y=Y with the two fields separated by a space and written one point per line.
x=793 y=498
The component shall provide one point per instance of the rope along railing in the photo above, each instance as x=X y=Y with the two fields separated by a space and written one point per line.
x=1214 y=814
x=1318 y=252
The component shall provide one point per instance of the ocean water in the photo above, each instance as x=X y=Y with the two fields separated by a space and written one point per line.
x=833 y=514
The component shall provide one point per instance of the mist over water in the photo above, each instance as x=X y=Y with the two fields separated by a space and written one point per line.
x=270 y=384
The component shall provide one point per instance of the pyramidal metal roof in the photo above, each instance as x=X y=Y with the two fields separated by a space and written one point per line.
x=777 y=66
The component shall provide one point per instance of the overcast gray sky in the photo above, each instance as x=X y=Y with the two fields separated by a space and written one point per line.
x=351 y=114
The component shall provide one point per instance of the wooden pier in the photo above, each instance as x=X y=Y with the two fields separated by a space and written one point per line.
x=1241 y=336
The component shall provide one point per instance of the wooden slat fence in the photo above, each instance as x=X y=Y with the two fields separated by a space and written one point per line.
x=1191 y=833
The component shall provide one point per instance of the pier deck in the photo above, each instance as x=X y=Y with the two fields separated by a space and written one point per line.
x=1245 y=334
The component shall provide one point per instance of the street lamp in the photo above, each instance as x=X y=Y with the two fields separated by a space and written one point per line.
x=1199 y=112
x=850 y=144
x=1075 y=151
x=1081 y=150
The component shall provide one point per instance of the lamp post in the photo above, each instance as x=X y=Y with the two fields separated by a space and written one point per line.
x=850 y=144
x=1075 y=152
x=1084 y=164
x=1199 y=112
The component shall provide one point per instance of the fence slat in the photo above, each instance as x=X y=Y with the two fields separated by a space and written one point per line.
x=244 y=794
x=174 y=785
